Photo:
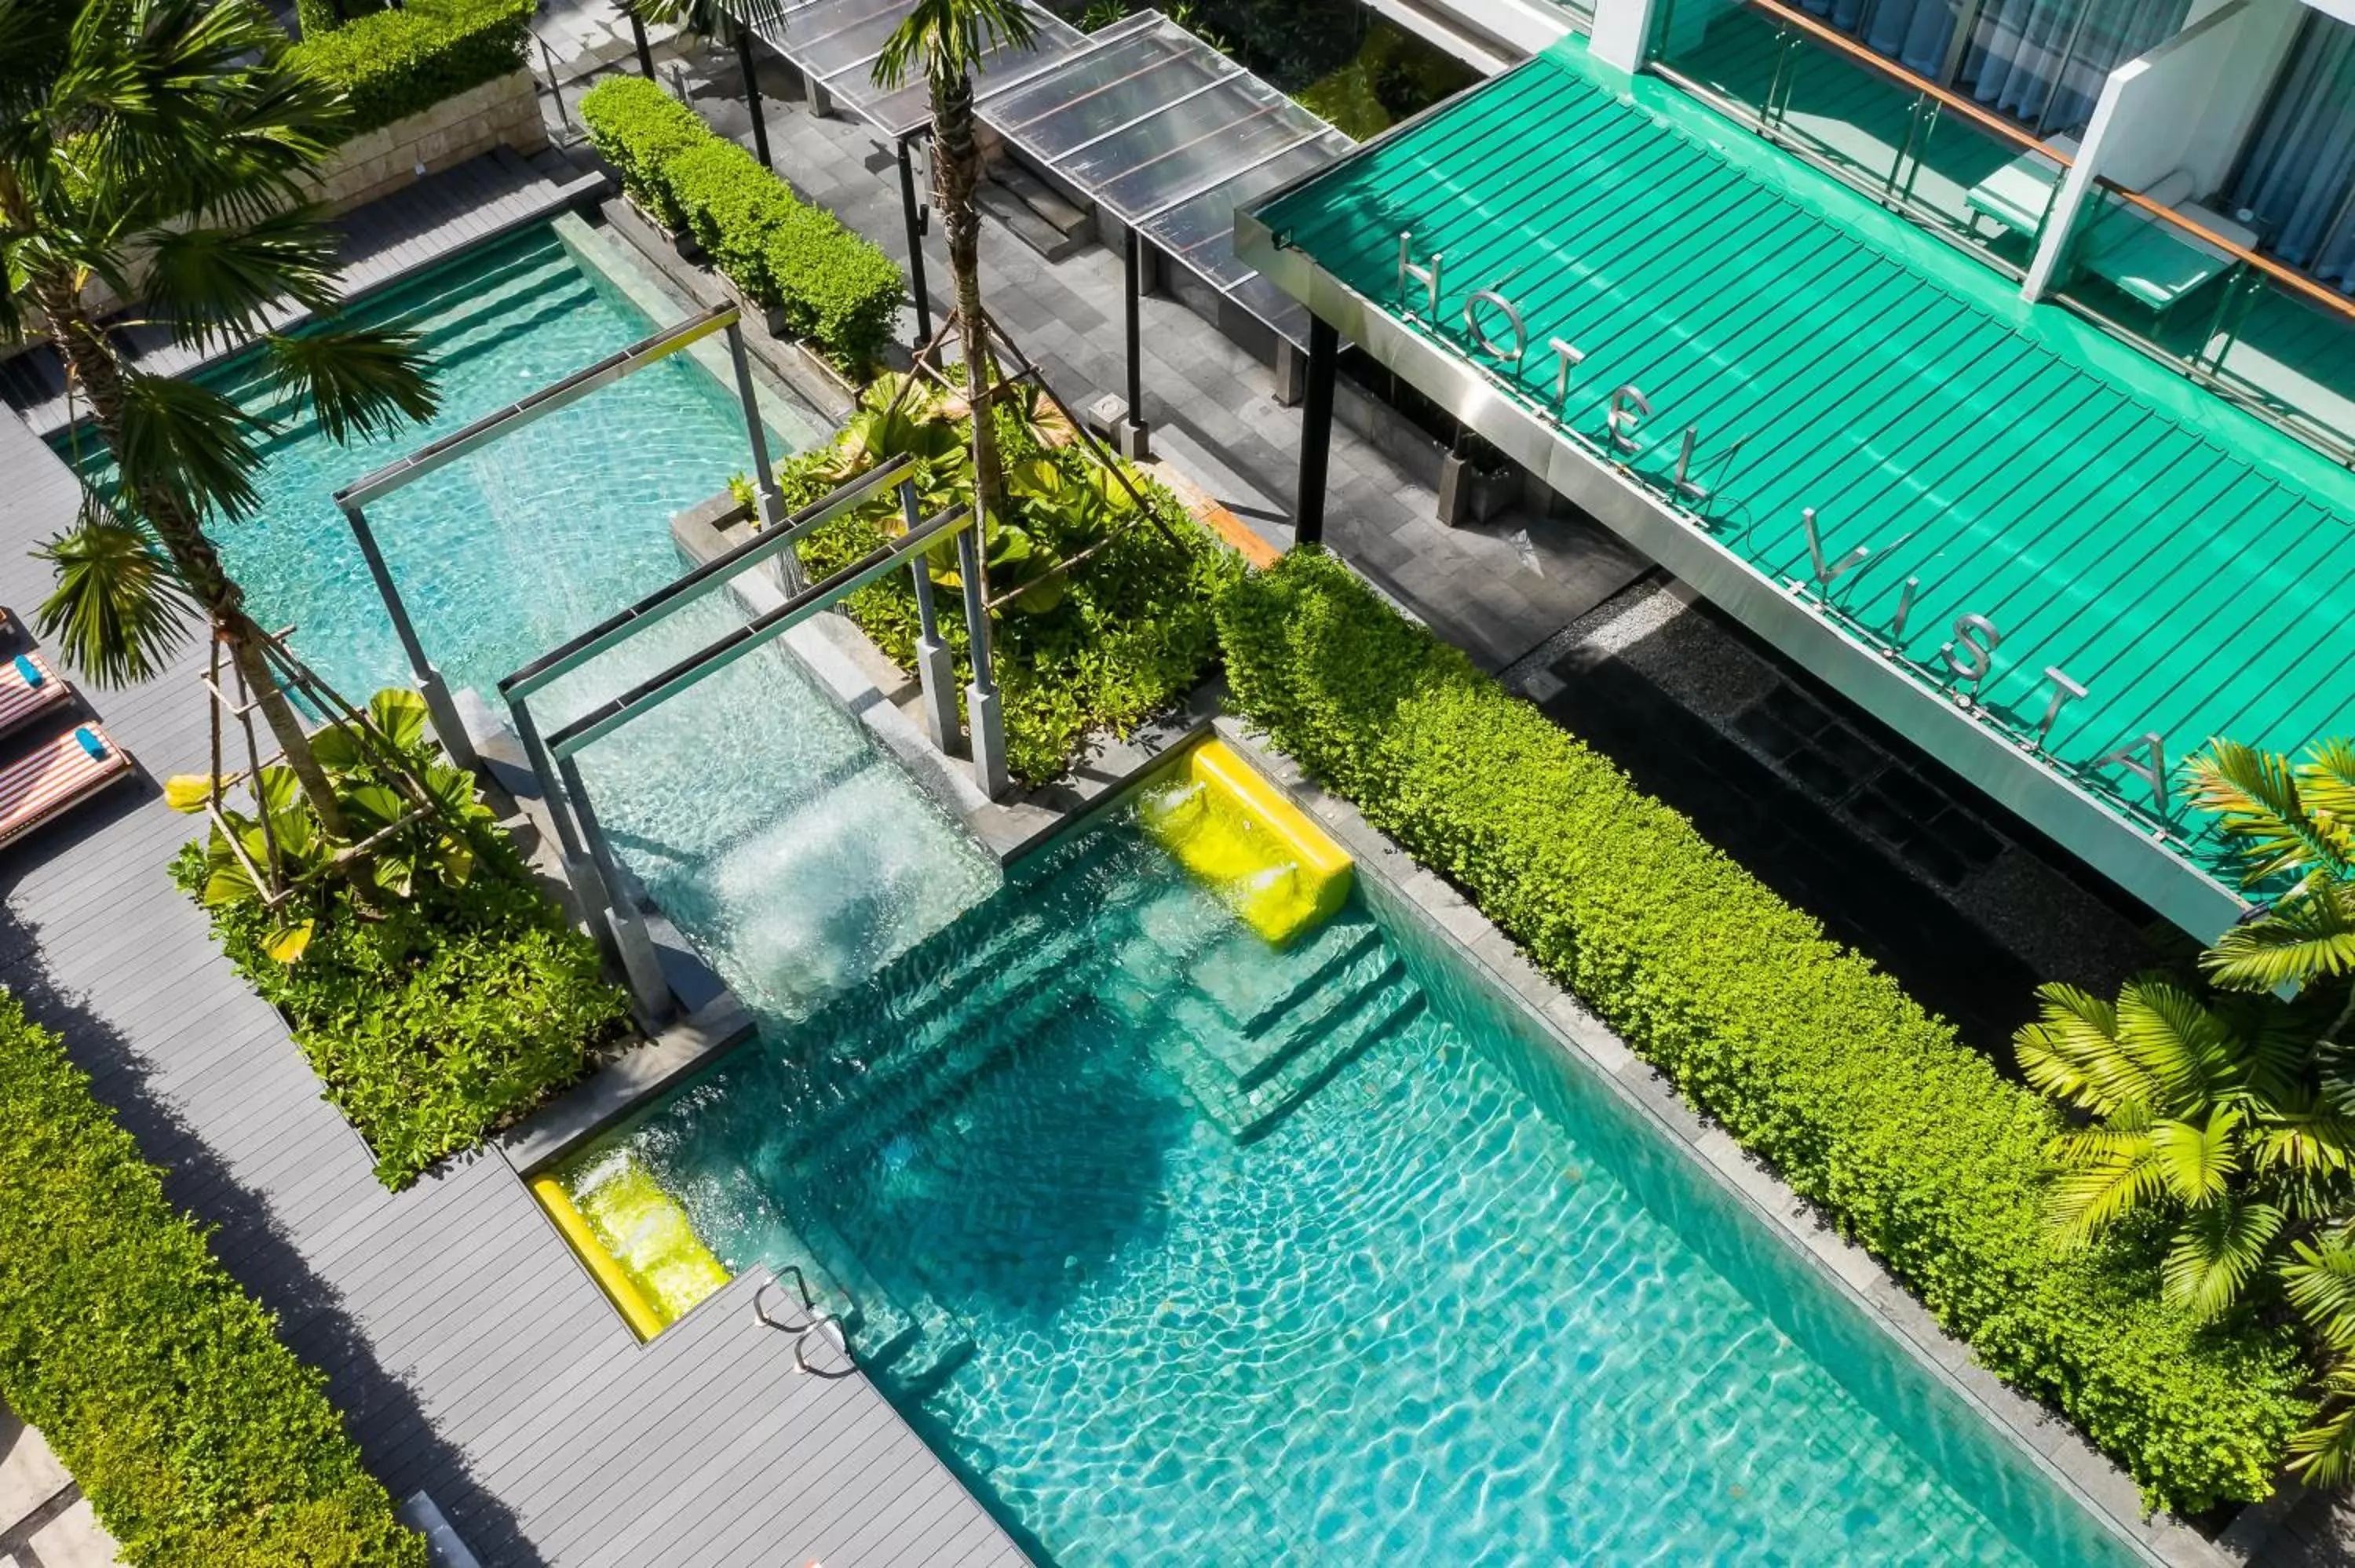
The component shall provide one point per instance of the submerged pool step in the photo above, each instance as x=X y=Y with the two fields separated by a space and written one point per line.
x=1248 y=1113
x=941 y=1346
x=1255 y=1056
x=885 y=1329
x=1253 y=982
x=946 y=1051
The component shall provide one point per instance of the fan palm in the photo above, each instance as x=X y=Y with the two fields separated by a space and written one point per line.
x=158 y=148
x=946 y=40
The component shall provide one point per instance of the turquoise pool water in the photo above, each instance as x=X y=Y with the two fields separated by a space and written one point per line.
x=1450 y=1302
x=504 y=553
x=749 y=783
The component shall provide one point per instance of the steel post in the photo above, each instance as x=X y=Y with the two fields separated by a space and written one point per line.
x=572 y=855
x=935 y=670
x=638 y=37
x=447 y=726
x=1134 y=444
x=983 y=714
x=752 y=95
x=1315 y=432
x=638 y=948
x=764 y=474
x=913 y=211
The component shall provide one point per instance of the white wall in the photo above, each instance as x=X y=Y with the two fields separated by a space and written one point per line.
x=2187 y=104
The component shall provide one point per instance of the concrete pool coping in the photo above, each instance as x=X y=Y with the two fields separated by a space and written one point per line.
x=2048 y=1442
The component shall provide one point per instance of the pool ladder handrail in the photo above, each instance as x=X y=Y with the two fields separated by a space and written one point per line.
x=816 y=1320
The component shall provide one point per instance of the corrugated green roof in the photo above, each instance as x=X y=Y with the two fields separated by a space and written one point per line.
x=2190 y=565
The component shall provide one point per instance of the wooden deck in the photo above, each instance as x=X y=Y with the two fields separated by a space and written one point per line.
x=470 y=1355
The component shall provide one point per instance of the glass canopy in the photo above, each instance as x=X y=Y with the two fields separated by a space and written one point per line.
x=1161 y=131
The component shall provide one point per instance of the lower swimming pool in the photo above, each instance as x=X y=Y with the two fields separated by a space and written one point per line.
x=1192 y=1251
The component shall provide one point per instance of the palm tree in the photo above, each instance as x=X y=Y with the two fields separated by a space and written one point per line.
x=946 y=39
x=157 y=148
x=2210 y=1120
x=2292 y=820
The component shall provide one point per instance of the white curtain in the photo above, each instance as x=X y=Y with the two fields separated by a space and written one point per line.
x=1914 y=33
x=2298 y=172
x=2043 y=62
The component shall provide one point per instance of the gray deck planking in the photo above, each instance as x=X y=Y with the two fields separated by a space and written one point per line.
x=472 y=1355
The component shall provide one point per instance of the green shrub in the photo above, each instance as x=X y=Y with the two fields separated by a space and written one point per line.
x=832 y=286
x=312 y=18
x=393 y=64
x=1811 y=1057
x=200 y=1438
x=437 y=1019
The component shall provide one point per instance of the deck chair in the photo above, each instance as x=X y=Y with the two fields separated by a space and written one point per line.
x=2017 y=195
x=58 y=776
x=29 y=688
x=2152 y=262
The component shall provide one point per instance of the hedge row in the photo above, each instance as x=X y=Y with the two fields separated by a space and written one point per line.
x=832 y=285
x=394 y=63
x=200 y=1438
x=1807 y=1054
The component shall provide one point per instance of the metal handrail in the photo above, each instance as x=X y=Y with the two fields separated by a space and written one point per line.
x=819 y=1318
x=2321 y=293
x=1833 y=38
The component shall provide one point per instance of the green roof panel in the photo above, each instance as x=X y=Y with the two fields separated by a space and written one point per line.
x=2191 y=566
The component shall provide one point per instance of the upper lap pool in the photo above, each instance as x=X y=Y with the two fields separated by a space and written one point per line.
x=1448 y=1299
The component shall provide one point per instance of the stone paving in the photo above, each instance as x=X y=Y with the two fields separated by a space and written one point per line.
x=45 y=1522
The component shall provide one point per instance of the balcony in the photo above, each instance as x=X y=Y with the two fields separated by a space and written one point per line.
x=2189 y=287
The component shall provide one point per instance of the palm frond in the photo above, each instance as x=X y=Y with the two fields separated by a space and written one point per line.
x=2301 y=940
x=2216 y=1253
x=2256 y=795
x=947 y=39
x=2175 y=1038
x=356 y=381
x=188 y=440
x=2198 y=1160
x=2106 y=1190
x=118 y=613
x=2326 y=779
x=213 y=284
x=2073 y=1054
x=2324 y=1453
x=2320 y=1281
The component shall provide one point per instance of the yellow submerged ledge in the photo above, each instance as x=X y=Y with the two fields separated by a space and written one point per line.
x=1281 y=873
x=635 y=1239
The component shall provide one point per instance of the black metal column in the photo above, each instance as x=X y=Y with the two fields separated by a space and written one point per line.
x=914 y=212
x=752 y=95
x=1315 y=432
x=638 y=37
x=1133 y=264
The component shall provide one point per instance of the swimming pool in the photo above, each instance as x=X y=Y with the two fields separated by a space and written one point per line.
x=713 y=801
x=1420 y=1291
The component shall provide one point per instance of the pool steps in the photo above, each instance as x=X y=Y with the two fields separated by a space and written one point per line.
x=1251 y=1112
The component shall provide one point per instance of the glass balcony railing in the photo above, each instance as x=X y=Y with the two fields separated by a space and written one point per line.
x=2187 y=286
x=1950 y=166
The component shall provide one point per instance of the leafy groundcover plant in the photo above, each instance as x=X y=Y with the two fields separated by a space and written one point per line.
x=438 y=993
x=1118 y=638
x=198 y=1437
x=1815 y=1060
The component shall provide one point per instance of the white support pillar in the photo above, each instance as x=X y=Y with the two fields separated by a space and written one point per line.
x=1622 y=36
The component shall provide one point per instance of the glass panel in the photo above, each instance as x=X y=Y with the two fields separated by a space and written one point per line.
x=1945 y=164
x=1191 y=145
x=845 y=61
x=2283 y=349
x=910 y=106
x=1200 y=231
x=2297 y=179
x=1272 y=305
x=825 y=40
x=1100 y=92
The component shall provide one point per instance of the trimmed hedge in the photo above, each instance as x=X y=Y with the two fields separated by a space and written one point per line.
x=198 y=1437
x=436 y=1021
x=393 y=64
x=1811 y=1057
x=833 y=286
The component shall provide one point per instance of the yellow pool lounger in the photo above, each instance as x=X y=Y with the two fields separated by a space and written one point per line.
x=635 y=1239
x=1281 y=873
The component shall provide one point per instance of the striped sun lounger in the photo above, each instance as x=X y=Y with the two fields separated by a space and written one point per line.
x=29 y=688
x=56 y=777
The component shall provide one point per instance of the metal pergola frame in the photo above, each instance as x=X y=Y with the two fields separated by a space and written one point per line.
x=355 y=498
